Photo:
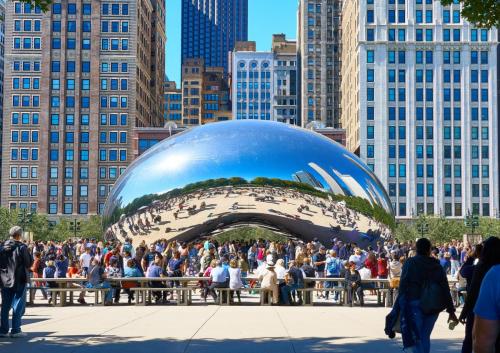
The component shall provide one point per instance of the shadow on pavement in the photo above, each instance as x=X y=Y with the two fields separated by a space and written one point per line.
x=47 y=342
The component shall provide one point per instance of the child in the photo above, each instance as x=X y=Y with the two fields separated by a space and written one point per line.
x=49 y=272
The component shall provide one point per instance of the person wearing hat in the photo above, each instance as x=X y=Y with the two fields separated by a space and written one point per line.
x=269 y=280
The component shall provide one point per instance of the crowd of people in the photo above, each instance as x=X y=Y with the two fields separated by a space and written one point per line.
x=279 y=267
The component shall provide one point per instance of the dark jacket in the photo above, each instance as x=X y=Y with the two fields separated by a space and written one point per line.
x=420 y=269
x=351 y=278
x=401 y=311
x=18 y=266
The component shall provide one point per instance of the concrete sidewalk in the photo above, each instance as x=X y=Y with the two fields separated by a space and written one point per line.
x=207 y=329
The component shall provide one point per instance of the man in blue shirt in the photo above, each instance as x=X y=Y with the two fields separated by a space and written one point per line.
x=220 y=279
x=333 y=267
x=486 y=332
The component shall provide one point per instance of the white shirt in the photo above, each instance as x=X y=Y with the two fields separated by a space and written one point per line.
x=85 y=259
x=235 y=278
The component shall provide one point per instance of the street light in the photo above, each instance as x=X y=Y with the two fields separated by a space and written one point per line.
x=75 y=226
x=471 y=221
x=25 y=218
x=423 y=228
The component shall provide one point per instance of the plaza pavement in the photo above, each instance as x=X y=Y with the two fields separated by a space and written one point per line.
x=207 y=329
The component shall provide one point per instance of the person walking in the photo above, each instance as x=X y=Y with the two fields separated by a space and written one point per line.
x=489 y=257
x=15 y=263
x=424 y=287
x=486 y=332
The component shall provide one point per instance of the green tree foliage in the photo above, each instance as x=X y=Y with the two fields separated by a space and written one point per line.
x=483 y=13
x=440 y=229
x=42 y=229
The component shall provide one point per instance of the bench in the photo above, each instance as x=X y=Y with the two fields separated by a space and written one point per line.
x=184 y=295
x=62 y=293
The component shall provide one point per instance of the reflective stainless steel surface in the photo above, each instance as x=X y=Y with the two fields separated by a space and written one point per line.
x=223 y=175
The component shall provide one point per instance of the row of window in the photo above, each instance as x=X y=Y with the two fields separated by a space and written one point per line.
x=23 y=190
x=70 y=84
x=71 y=43
x=71 y=27
x=69 y=137
x=55 y=66
x=68 y=190
x=25 y=100
x=427 y=57
x=69 y=119
x=399 y=94
x=83 y=173
x=427 y=152
x=110 y=172
x=429 y=132
x=68 y=155
x=27 y=43
x=114 y=9
x=114 y=67
x=112 y=137
x=24 y=136
x=114 y=44
x=69 y=102
x=26 y=83
x=23 y=172
x=399 y=170
x=112 y=155
x=27 y=26
x=83 y=208
x=114 y=84
x=71 y=9
x=429 y=113
x=26 y=8
x=24 y=154
x=25 y=118
x=114 y=26
x=449 y=190
x=26 y=66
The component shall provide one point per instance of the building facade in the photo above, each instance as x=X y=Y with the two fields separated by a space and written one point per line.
x=2 y=53
x=285 y=79
x=173 y=102
x=79 y=79
x=419 y=103
x=252 y=81
x=210 y=29
x=205 y=94
x=318 y=54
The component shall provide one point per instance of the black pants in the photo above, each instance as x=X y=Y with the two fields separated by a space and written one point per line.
x=159 y=294
x=211 y=288
x=358 y=291
x=467 y=344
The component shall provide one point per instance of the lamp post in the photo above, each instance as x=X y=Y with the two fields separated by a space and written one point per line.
x=75 y=226
x=25 y=218
x=423 y=228
x=471 y=221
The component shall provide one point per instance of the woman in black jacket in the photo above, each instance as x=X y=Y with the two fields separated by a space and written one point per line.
x=490 y=256
x=353 y=284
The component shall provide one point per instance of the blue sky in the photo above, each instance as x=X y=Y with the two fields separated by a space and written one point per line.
x=265 y=18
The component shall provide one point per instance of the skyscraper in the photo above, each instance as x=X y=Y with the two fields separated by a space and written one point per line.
x=79 y=79
x=420 y=106
x=318 y=55
x=210 y=29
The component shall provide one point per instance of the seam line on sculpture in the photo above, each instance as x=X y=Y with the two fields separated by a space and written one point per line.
x=198 y=330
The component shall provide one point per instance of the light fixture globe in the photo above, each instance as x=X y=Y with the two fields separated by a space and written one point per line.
x=238 y=173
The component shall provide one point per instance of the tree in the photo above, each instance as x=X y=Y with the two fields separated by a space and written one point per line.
x=482 y=13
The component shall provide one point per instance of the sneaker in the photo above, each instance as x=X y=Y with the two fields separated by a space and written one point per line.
x=18 y=335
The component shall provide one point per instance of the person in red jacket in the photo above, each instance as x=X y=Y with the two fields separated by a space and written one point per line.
x=382 y=270
x=371 y=264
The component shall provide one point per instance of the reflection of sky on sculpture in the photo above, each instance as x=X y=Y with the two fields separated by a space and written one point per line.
x=246 y=149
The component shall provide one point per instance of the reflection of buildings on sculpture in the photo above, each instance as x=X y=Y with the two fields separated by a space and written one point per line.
x=285 y=210
x=307 y=178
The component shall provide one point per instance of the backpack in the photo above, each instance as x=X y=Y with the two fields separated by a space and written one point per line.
x=333 y=266
x=432 y=299
x=7 y=265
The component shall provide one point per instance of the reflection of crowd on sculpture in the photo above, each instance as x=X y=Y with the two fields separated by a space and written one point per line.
x=148 y=218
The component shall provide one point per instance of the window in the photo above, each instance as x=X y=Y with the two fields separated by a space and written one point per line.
x=370 y=56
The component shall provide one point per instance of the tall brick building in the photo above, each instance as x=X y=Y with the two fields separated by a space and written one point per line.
x=78 y=80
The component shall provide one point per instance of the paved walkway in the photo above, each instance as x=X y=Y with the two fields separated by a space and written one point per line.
x=207 y=329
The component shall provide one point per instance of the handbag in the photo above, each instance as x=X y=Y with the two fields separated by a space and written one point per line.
x=432 y=298
x=394 y=283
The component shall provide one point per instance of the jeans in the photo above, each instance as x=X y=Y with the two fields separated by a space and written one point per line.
x=424 y=325
x=455 y=266
x=332 y=284
x=15 y=299
x=109 y=294
x=285 y=294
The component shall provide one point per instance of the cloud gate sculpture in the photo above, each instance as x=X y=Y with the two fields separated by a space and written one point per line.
x=238 y=173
